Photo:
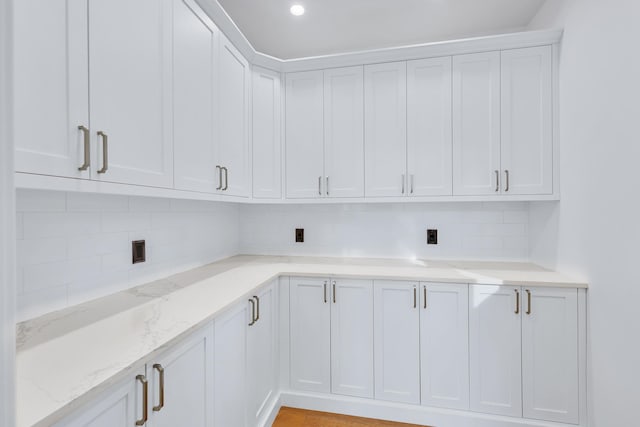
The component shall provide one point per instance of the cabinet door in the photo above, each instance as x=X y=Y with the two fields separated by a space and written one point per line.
x=352 y=337
x=385 y=118
x=233 y=113
x=304 y=139
x=527 y=116
x=267 y=161
x=185 y=375
x=429 y=127
x=194 y=43
x=131 y=90
x=397 y=341
x=476 y=124
x=495 y=351
x=310 y=334
x=343 y=132
x=261 y=355
x=550 y=355
x=444 y=345
x=119 y=407
x=230 y=367
x=51 y=86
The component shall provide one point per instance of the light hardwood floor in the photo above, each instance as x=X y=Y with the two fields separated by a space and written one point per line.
x=290 y=417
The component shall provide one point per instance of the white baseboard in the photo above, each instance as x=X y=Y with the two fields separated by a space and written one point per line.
x=398 y=412
x=271 y=413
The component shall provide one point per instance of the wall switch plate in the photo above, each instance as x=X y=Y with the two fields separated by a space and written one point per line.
x=138 y=251
x=299 y=235
x=432 y=237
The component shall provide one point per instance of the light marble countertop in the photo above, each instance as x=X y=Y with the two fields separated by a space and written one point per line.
x=66 y=358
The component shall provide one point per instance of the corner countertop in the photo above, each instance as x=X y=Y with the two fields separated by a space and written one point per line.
x=67 y=358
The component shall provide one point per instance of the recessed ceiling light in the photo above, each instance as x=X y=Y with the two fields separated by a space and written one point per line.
x=297 y=10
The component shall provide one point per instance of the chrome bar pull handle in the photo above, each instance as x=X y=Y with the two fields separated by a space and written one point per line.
x=320 y=186
x=528 y=301
x=334 y=291
x=105 y=151
x=257 y=308
x=145 y=400
x=325 y=291
x=226 y=178
x=158 y=367
x=424 y=288
x=411 y=188
x=497 y=181
x=506 y=185
x=517 y=301
x=87 y=148
x=219 y=169
x=402 y=183
x=415 y=297
x=327 y=186
x=253 y=312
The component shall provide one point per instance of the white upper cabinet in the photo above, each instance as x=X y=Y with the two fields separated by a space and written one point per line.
x=310 y=367
x=352 y=337
x=51 y=87
x=397 y=341
x=476 y=124
x=495 y=350
x=343 y=132
x=304 y=135
x=266 y=119
x=233 y=125
x=429 y=143
x=527 y=121
x=194 y=46
x=130 y=91
x=385 y=118
x=550 y=354
x=444 y=345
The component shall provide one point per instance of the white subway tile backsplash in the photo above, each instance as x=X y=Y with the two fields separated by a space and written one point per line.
x=41 y=201
x=88 y=202
x=73 y=247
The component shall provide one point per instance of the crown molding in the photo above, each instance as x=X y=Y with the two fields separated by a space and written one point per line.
x=401 y=53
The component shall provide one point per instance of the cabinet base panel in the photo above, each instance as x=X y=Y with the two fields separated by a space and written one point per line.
x=403 y=413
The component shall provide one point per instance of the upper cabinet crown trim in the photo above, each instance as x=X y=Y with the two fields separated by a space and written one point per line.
x=398 y=53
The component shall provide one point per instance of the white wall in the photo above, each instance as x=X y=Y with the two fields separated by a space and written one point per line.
x=465 y=230
x=7 y=238
x=73 y=247
x=594 y=231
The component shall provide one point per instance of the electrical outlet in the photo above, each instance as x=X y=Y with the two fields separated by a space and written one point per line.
x=432 y=237
x=299 y=235
x=138 y=251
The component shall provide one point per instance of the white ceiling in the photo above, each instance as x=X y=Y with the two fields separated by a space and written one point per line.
x=334 y=26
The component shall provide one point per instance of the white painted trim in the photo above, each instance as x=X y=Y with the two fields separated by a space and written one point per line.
x=54 y=183
x=400 y=53
x=272 y=413
x=404 y=413
x=7 y=225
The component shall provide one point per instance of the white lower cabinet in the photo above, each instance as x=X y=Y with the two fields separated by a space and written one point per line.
x=173 y=389
x=550 y=355
x=421 y=336
x=261 y=355
x=310 y=334
x=120 y=407
x=444 y=345
x=230 y=366
x=397 y=341
x=332 y=336
x=352 y=337
x=524 y=352
x=495 y=350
